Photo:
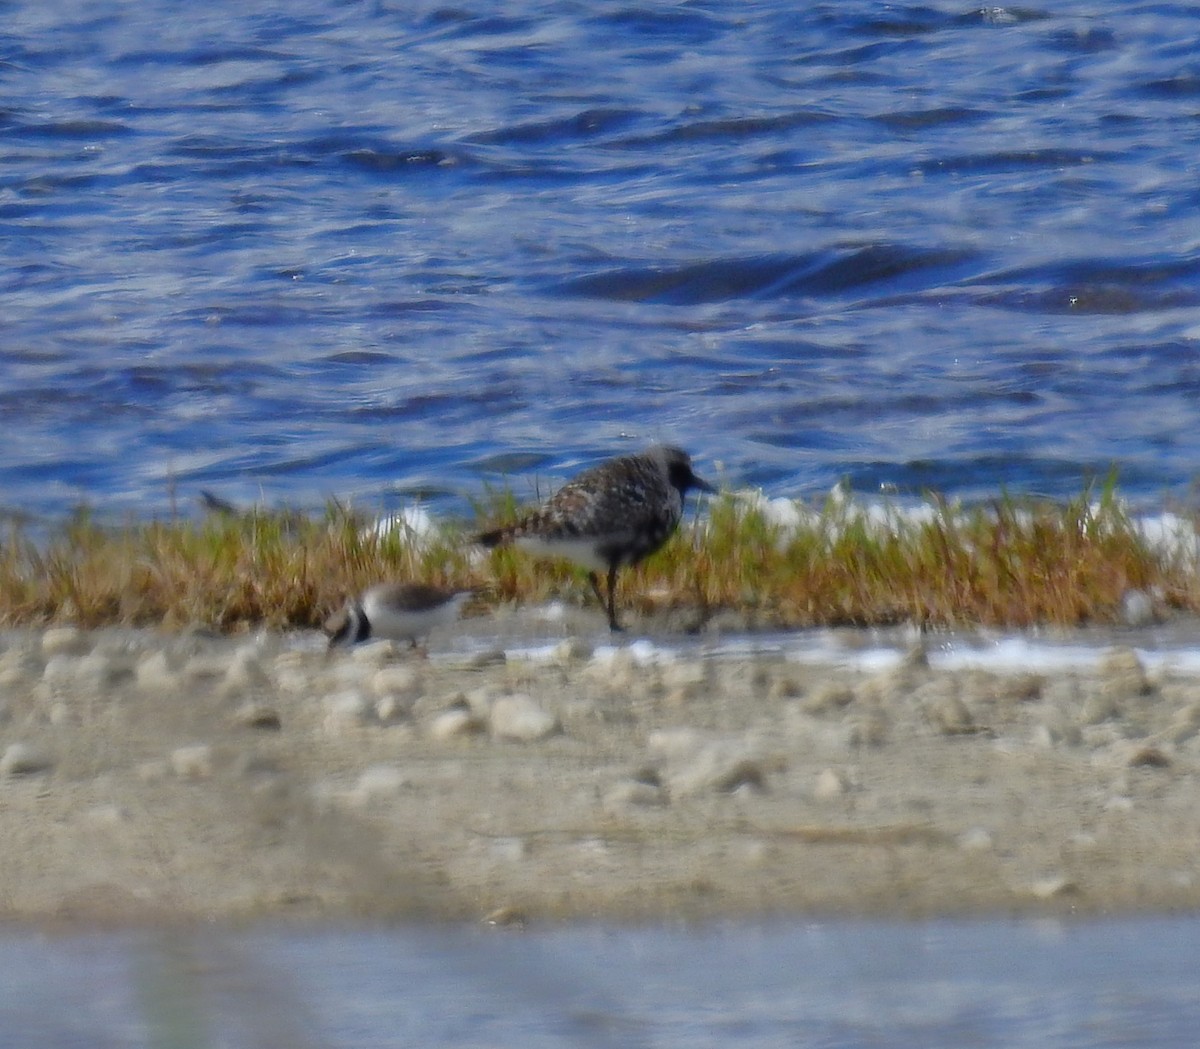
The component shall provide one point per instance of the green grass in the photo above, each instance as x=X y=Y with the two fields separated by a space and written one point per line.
x=1014 y=563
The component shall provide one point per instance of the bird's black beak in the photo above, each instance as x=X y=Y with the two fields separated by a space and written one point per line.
x=703 y=485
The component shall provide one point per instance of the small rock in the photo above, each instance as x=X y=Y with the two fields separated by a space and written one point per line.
x=1137 y=608
x=18 y=667
x=828 y=698
x=1099 y=707
x=830 y=783
x=1185 y=724
x=245 y=672
x=455 y=723
x=153 y=771
x=375 y=653
x=154 y=673
x=1022 y=688
x=379 y=782
x=787 y=687
x=393 y=709
x=720 y=766
x=617 y=671
x=634 y=793
x=570 y=651
x=63 y=641
x=520 y=719
x=674 y=743
x=977 y=839
x=480 y=700
x=23 y=759
x=506 y=918
x=1053 y=886
x=1147 y=756
x=102 y=670
x=293 y=672
x=1063 y=692
x=204 y=668
x=949 y=715
x=258 y=716
x=1123 y=675
x=398 y=681
x=1054 y=732
x=192 y=762
x=105 y=815
x=686 y=681
x=59 y=671
x=492 y=657
x=346 y=710
x=869 y=729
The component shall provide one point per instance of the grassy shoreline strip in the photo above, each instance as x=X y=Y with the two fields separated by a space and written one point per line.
x=1014 y=563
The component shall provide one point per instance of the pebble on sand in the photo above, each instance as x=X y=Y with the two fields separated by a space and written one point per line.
x=828 y=698
x=346 y=710
x=1052 y=886
x=1137 y=608
x=831 y=783
x=697 y=764
x=378 y=783
x=519 y=718
x=245 y=673
x=629 y=793
x=1147 y=756
x=156 y=672
x=397 y=680
x=976 y=839
x=258 y=716
x=23 y=759
x=458 y=721
x=1123 y=675
x=570 y=651
x=194 y=761
x=63 y=640
x=949 y=715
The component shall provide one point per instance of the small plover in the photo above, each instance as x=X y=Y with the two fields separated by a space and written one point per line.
x=397 y=612
x=611 y=515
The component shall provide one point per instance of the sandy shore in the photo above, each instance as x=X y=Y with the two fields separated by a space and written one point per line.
x=150 y=777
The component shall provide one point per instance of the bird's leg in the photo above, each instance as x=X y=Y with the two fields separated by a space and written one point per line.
x=596 y=588
x=613 y=625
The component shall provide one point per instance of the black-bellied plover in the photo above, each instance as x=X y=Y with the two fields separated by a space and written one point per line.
x=611 y=515
x=397 y=612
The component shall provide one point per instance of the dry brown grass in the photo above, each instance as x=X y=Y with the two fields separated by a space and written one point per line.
x=1012 y=563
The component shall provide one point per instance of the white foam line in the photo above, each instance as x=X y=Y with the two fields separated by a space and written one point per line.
x=1186 y=661
x=1016 y=655
x=1012 y=654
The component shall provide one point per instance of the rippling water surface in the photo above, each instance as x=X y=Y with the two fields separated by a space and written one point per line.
x=371 y=249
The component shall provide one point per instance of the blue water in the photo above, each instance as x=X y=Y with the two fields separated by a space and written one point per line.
x=946 y=985
x=288 y=251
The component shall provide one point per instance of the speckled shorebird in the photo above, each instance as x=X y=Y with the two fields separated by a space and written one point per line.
x=395 y=611
x=611 y=515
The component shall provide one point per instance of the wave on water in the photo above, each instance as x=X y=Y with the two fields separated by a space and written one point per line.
x=357 y=251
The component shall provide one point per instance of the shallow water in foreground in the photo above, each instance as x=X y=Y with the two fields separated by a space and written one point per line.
x=954 y=984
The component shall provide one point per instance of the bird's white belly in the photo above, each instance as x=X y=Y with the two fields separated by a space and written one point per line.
x=387 y=621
